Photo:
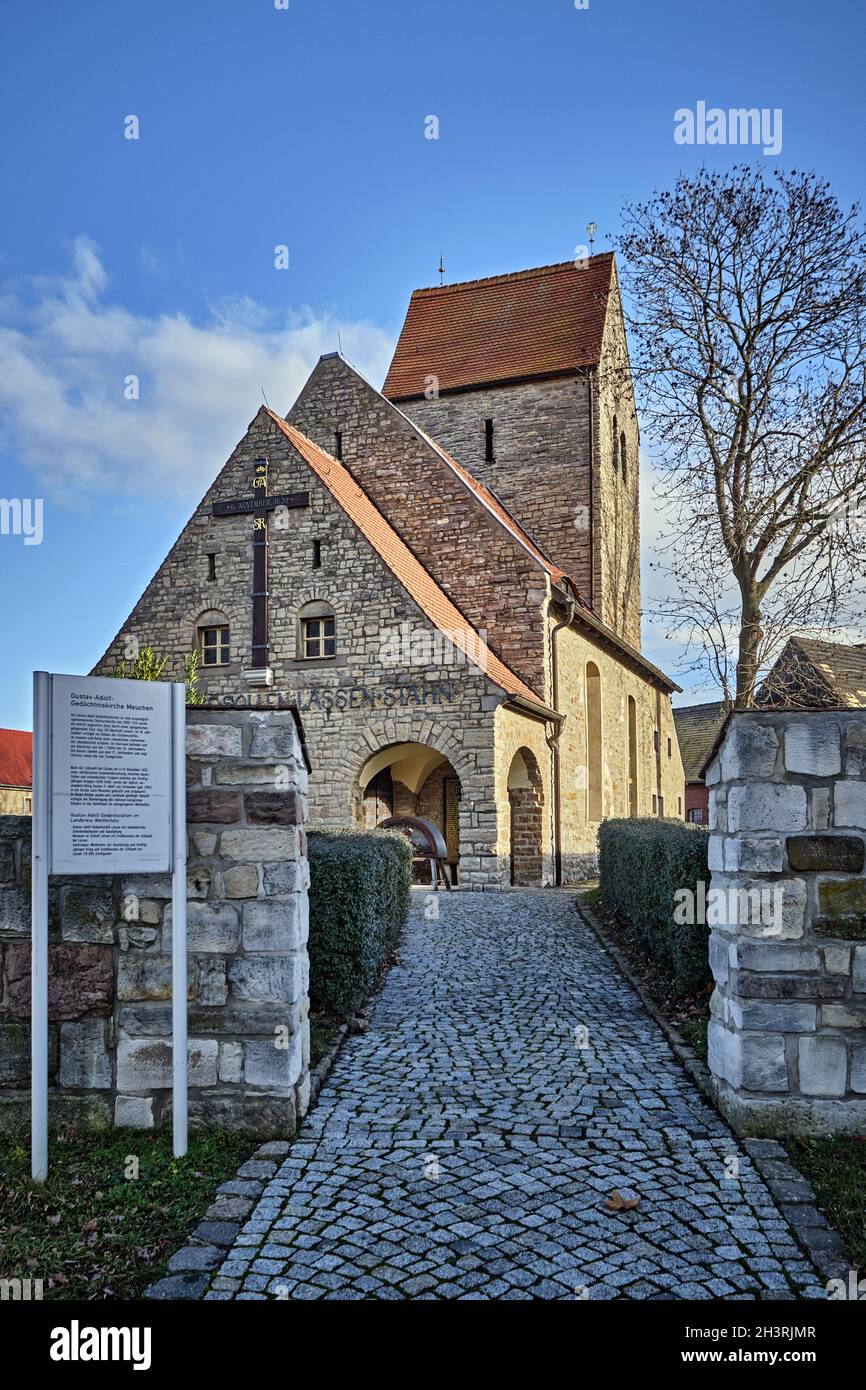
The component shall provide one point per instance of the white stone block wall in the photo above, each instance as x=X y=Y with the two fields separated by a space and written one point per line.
x=110 y=953
x=787 y=1036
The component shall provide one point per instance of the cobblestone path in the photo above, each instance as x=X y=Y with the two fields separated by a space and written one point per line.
x=466 y=1144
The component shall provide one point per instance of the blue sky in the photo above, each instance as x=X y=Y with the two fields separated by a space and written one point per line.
x=305 y=127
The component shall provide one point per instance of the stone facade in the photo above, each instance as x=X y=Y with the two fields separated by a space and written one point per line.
x=110 y=953
x=555 y=470
x=787 y=1039
x=376 y=692
x=483 y=569
x=395 y=678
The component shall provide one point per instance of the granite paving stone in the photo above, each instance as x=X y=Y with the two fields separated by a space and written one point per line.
x=464 y=1146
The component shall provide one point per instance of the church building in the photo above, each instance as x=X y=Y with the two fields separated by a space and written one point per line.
x=444 y=577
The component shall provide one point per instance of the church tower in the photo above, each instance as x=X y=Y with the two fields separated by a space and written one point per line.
x=525 y=379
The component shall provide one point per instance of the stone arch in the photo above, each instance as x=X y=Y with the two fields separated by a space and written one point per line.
x=380 y=735
x=526 y=806
x=206 y=620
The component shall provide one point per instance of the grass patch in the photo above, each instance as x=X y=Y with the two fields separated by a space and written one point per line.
x=694 y=1031
x=92 y=1232
x=323 y=1034
x=836 y=1168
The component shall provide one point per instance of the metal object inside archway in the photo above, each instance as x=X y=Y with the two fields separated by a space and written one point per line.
x=428 y=844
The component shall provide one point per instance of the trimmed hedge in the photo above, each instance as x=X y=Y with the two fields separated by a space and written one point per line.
x=359 y=899
x=642 y=863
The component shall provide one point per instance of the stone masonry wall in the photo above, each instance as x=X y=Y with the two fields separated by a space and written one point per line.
x=484 y=570
x=540 y=469
x=549 y=449
x=110 y=953
x=787 y=1039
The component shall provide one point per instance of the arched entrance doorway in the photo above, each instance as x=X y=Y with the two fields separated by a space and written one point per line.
x=413 y=779
x=526 y=804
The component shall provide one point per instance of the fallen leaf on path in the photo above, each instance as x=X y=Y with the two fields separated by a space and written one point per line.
x=616 y=1202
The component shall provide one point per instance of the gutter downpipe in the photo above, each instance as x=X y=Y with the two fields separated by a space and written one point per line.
x=589 y=402
x=555 y=733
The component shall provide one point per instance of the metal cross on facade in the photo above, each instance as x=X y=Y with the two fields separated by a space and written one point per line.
x=259 y=506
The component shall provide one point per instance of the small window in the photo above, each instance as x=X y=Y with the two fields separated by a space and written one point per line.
x=488 y=441
x=661 y=805
x=679 y=805
x=622 y=455
x=696 y=815
x=211 y=566
x=215 y=646
x=615 y=445
x=655 y=804
x=670 y=747
x=320 y=637
x=338 y=444
x=656 y=740
x=28 y=805
x=317 y=555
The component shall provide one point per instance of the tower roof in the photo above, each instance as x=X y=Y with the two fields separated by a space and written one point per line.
x=532 y=323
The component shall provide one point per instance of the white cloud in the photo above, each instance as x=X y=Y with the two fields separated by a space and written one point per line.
x=65 y=351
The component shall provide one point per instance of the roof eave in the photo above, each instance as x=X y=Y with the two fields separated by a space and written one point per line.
x=495 y=382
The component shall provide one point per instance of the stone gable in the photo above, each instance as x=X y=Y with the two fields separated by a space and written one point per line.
x=486 y=572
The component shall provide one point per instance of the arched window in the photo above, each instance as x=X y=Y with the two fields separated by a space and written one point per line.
x=213 y=638
x=594 y=801
x=623 y=454
x=317 y=631
x=632 y=756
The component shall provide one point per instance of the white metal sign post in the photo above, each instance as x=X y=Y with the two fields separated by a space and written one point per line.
x=109 y=797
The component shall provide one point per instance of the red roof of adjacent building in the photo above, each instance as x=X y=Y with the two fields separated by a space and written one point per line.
x=532 y=323
x=403 y=564
x=16 y=758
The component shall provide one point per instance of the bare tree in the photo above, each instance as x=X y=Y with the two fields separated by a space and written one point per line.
x=746 y=302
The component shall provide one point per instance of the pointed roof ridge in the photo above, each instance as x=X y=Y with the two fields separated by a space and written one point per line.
x=483 y=494
x=407 y=569
x=534 y=270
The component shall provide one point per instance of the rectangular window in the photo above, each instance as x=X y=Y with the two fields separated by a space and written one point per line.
x=661 y=805
x=211 y=567
x=215 y=646
x=338 y=444
x=696 y=815
x=488 y=441
x=320 y=637
x=655 y=805
x=656 y=741
x=679 y=805
x=670 y=747
x=317 y=555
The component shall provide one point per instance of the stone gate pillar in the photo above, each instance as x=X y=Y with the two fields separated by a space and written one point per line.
x=787 y=1038
x=110 y=953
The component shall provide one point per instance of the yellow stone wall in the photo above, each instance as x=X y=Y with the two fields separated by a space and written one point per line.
x=513 y=732
x=656 y=776
x=15 y=801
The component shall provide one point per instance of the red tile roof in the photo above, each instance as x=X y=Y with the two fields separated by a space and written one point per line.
x=16 y=758
x=403 y=564
x=532 y=323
